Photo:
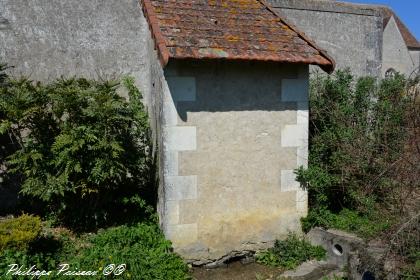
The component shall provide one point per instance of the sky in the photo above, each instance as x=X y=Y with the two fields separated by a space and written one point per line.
x=407 y=10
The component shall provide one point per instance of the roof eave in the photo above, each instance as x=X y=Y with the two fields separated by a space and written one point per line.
x=327 y=67
x=156 y=34
x=164 y=54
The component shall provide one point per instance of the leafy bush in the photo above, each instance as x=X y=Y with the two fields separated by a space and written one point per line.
x=290 y=253
x=82 y=148
x=411 y=272
x=358 y=132
x=142 y=248
x=18 y=233
x=27 y=259
x=347 y=220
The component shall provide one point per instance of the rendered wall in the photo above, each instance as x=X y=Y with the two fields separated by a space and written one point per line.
x=232 y=135
x=47 y=39
x=395 y=52
x=351 y=34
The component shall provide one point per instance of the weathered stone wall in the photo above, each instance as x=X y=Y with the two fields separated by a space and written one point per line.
x=233 y=133
x=395 y=52
x=352 y=34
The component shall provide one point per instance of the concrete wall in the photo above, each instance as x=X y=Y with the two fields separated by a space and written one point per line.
x=351 y=34
x=395 y=52
x=232 y=135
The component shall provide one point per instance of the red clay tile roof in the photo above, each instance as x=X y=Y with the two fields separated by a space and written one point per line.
x=409 y=39
x=230 y=30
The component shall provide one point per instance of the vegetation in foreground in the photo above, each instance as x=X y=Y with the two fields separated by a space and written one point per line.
x=364 y=160
x=82 y=155
x=77 y=142
x=141 y=248
x=290 y=253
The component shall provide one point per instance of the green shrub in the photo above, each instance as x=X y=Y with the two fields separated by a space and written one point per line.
x=18 y=233
x=358 y=132
x=26 y=258
x=411 y=272
x=82 y=148
x=142 y=248
x=290 y=253
x=364 y=225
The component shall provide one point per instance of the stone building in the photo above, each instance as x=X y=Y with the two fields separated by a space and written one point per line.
x=369 y=39
x=401 y=50
x=227 y=95
x=232 y=124
x=229 y=107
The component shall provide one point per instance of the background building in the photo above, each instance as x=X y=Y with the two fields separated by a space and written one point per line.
x=369 y=39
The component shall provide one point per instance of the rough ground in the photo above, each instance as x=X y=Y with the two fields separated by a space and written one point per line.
x=237 y=271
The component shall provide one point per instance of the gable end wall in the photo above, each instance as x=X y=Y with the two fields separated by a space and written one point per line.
x=396 y=54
